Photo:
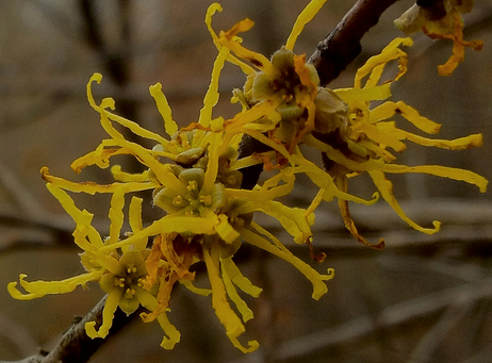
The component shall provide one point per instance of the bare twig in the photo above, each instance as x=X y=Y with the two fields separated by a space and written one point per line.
x=342 y=45
x=390 y=316
x=19 y=193
x=424 y=350
x=331 y=57
x=59 y=229
x=466 y=272
x=75 y=346
x=17 y=335
x=480 y=357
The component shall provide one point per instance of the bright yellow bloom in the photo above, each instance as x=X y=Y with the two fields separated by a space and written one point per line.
x=120 y=274
x=353 y=137
x=195 y=177
x=444 y=22
x=363 y=143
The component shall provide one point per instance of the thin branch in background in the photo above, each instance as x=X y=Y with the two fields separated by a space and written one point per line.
x=466 y=272
x=342 y=45
x=265 y=311
x=117 y=61
x=332 y=56
x=22 y=197
x=75 y=346
x=477 y=327
x=429 y=343
x=19 y=336
x=59 y=230
x=31 y=217
x=53 y=14
x=391 y=316
x=480 y=357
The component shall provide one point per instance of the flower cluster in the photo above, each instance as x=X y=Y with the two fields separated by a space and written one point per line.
x=441 y=20
x=195 y=175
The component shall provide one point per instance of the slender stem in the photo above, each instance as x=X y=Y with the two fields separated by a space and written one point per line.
x=342 y=45
x=75 y=346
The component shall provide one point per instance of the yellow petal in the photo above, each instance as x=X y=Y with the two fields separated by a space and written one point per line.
x=41 y=288
x=93 y=188
x=347 y=218
x=125 y=177
x=135 y=214
x=293 y=220
x=389 y=53
x=212 y=164
x=249 y=161
x=116 y=215
x=442 y=171
x=169 y=224
x=257 y=59
x=110 y=307
x=100 y=156
x=212 y=9
x=306 y=15
x=212 y=95
x=162 y=172
x=149 y=302
x=385 y=187
x=230 y=321
x=136 y=128
x=238 y=278
x=269 y=142
x=170 y=126
x=255 y=113
x=412 y=115
x=225 y=230
x=325 y=181
x=462 y=143
x=173 y=334
x=83 y=219
x=277 y=186
x=197 y=290
x=107 y=102
x=316 y=279
x=351 y=95
x=378 y=136
x=242 y=307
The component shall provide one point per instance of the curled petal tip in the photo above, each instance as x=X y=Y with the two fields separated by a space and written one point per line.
x=96 y=77
x=44 y=171
x=90 y=330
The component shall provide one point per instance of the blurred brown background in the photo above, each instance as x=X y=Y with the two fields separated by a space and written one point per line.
x=423 y=299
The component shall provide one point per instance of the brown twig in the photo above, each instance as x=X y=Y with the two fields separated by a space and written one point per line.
x=342 y=45
x=433 y=338
x=75 y=346
x=21 y=195
x=391 y=316
x=331 y=57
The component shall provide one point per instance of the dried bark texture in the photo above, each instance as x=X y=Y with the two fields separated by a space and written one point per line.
x=342 y=45
x=75 y=346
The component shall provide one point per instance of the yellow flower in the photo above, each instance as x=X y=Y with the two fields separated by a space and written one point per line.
x=353 y=137
x=285 y=86
x=195 y=178
x=120 y=274
x=442 y=21
x=362 y=144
